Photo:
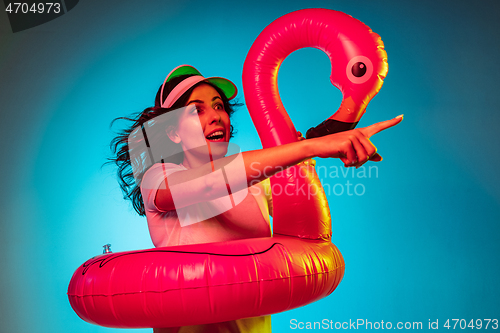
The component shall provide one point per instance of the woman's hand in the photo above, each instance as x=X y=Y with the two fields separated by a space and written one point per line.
x=353 y=147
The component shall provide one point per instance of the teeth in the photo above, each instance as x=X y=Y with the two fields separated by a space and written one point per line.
x=215 y=134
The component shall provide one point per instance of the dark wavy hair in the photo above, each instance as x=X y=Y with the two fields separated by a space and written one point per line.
x=130 y=182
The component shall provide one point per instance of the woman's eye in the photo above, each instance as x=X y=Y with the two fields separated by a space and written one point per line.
x=219 y=106
x=195 y=111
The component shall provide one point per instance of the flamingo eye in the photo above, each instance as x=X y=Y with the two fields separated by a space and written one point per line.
x=359 y=69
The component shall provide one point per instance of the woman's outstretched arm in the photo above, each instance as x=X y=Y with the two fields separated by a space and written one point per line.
x=353 y=147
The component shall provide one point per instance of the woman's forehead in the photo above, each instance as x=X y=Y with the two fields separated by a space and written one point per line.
x=204 y=92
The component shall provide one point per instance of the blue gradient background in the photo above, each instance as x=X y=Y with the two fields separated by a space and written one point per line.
x=421 y=243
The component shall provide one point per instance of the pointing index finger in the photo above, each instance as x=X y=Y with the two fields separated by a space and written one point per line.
x=383 y=125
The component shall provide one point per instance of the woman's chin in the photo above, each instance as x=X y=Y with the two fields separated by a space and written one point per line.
x=218 y=149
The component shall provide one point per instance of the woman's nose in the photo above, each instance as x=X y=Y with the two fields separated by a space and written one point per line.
x=215 y=116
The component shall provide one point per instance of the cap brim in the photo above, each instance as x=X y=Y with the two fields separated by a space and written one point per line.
x=228 y=88
x=182 y=70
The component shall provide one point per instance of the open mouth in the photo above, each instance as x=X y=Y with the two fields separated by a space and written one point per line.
x=216 y=136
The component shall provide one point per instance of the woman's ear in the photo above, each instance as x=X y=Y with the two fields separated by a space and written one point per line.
x=172 y=134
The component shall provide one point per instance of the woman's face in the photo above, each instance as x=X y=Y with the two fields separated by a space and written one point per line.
x=205 y=103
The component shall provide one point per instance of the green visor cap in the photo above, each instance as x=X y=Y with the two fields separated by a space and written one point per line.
x=227 y=87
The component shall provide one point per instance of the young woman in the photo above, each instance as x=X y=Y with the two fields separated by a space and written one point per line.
x=183 y=191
